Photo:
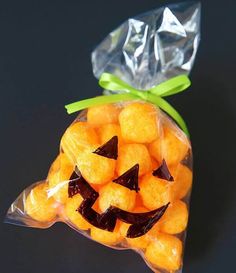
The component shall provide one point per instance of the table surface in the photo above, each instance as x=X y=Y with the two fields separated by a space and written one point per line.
x=45 y=63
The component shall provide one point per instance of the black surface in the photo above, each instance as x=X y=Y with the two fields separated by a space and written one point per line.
x=45 y=63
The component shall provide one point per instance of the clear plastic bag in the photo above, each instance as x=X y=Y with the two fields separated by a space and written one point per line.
x=123 y=175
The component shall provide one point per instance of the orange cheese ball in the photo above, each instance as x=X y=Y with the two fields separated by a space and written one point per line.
x=39 y=205
x=94 y=168
x=71 y=206
x=139 y=122
x=175 y=218
x=155 y=164
x=99 y=115
x=78 y=137
x=155 y=149
x=117 y=195
x=139 y=201
x=155 y=192
x=182 y=183
x=154 y=232
x=131 y=154
x=139 y=242
x=171 y=147
x=106 y=237
x=165 y=252
x=54 y=167
x=58 y=183
x=107 y=131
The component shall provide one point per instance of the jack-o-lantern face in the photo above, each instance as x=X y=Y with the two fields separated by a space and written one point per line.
x=123 y=178
x=141 y=223
x=129 y=178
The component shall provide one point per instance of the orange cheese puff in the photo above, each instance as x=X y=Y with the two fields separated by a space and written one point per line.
x=155 y=192
x=131 y=154
x=155 y=164
x=170 y=147
x=73 y=215
x=54 y=167
x=175 y=218
x=139 y=122
x=58 y=183
x=106 y=237
x=96 y=204
x=94 y=168
x=39 y=206
x=165 y=252
x=139 y=242
x=99 y=115
x=117 y=195
x=78 y=136
x=139 y=201
x=182 y=182
x=107 y=131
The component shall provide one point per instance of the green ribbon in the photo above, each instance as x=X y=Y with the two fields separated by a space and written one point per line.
x=154 y=95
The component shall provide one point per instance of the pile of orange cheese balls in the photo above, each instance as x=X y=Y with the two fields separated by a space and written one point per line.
x=146 y=136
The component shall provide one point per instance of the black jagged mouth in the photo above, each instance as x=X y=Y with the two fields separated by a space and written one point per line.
x=140 y=223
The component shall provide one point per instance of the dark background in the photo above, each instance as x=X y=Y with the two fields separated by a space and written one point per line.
x=45 y=63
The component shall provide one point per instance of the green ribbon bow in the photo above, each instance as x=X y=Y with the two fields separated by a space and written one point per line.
x=154 y=95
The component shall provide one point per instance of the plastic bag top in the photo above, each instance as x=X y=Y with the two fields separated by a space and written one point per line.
x=152 y=47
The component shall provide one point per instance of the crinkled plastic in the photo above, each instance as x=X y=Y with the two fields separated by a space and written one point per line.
x=152 y=47
x=123 y=175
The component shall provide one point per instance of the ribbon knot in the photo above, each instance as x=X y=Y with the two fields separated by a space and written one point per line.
x=127 y=92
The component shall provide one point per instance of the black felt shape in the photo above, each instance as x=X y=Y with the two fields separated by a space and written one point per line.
x=139 y=229
x=90 y=215
x=108 y=219
x=79 y=185
x=94 y=218
x=109 y=149
x=163 y=172
x=130 y=217
x=129 y=179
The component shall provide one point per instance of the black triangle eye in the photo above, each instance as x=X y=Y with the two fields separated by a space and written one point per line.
x=109 y=149
x=129 y=179
x=163 y=172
